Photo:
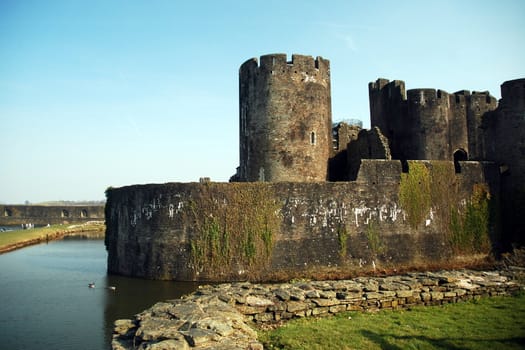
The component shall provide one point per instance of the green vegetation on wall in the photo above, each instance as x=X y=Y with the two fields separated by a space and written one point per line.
x=414 y=193
x=342 y=237
x=234 y=230
x=373 y=237
x=432 y=187
x=469 y=229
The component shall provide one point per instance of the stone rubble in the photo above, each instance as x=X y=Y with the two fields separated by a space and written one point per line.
x=222 y=316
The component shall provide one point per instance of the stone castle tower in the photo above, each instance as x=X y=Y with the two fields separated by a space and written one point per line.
x=285 y=119
x=429 y=123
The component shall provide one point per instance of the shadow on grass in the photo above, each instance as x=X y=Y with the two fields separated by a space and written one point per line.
x=381 y=340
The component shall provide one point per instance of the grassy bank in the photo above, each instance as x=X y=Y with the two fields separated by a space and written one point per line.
x=488 y=323
x=12 y=240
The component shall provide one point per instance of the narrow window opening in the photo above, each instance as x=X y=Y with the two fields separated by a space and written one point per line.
x=313 y=139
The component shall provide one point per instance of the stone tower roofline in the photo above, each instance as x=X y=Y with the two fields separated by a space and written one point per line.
x=395 y=87
x=513 y=93
x=426 y=95
x=274 y=64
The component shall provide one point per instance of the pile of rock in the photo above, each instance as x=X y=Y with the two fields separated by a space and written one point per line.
x=218 y=317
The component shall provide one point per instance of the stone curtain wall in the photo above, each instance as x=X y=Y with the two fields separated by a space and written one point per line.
x=11 y=215
x=277 y=231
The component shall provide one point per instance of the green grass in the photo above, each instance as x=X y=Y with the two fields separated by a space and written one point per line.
x=488 y=323
x=20 y=236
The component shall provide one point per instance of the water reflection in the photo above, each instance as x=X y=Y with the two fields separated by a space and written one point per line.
x=131 y=296
x=45 y=301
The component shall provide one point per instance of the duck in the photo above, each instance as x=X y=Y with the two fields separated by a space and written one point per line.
x=91 y=285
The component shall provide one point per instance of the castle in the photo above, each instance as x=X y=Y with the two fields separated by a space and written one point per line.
x=438 y=177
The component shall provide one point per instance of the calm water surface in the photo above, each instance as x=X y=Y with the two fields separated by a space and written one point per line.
x=45 y=302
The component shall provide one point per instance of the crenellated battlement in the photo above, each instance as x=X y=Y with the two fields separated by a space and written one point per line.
x=461 y=97
x=303 y=66
x=392 y=88
x=428 y=97
x=483 y=97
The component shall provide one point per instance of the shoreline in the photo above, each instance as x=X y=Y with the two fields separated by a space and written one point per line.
x=23 y=238
x=226 y=316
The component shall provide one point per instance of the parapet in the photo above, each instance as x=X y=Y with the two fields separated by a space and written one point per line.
x=275 y=64
x=428 y=96
x=391 y=88
x=483 y=97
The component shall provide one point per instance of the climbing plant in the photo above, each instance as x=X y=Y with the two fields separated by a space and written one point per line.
x=469 y=228
x=414 y=193
x=233 y=229
x=432 y=187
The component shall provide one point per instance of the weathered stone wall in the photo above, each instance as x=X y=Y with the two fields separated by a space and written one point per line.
x=285 y=119
x=42 y=215
x=264 y=231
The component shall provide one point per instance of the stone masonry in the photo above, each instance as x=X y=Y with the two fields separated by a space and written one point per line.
x=223 y=316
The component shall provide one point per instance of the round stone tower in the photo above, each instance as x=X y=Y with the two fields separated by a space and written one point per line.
x=285 y=121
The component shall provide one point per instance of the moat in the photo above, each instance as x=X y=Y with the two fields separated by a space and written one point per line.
x=46 y=302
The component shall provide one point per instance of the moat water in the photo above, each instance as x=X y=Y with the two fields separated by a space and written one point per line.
x=45 y=302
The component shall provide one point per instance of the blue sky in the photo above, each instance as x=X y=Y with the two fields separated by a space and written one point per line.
x=112 y=93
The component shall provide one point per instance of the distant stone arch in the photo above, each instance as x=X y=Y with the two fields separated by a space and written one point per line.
x=84 y=213
x=65 y=213
x=460 y=155
x=8 y=212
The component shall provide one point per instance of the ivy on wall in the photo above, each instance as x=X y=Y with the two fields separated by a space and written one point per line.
x=414 y=193
x=469 y=228
x=234 y=230
x=432 y=187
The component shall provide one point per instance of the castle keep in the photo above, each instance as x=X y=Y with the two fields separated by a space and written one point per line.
x=285 y=119
x=437 y=180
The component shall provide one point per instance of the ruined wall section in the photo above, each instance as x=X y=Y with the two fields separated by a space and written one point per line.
x=265 y=231
x=343 y=134
x=285 y=119
x=370 y=144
